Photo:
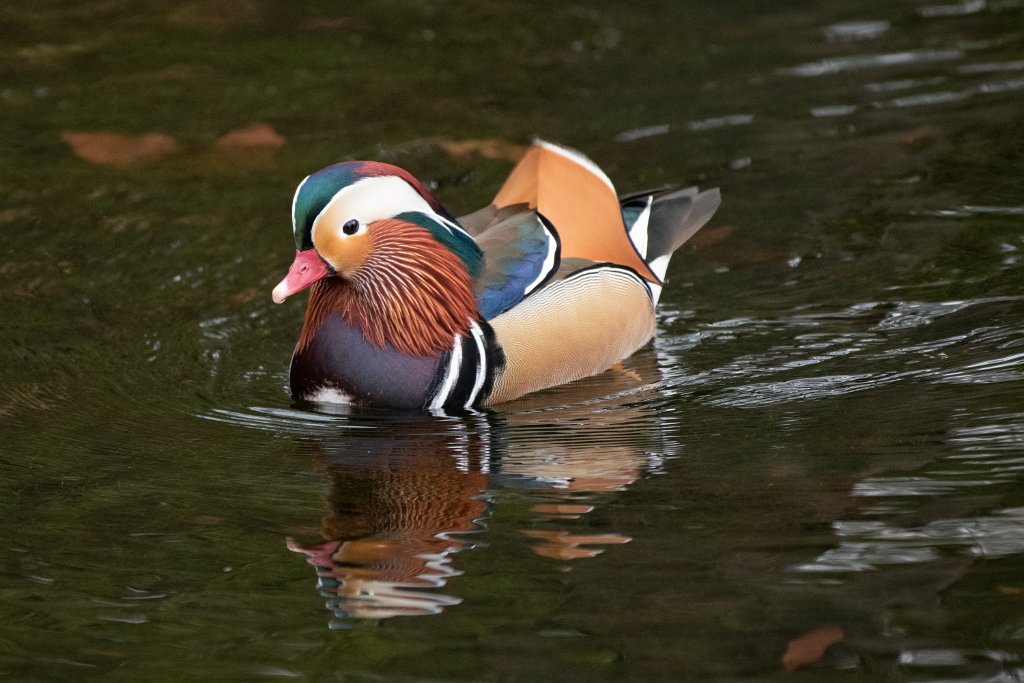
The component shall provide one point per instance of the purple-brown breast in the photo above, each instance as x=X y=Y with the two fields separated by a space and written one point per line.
x=339 y=357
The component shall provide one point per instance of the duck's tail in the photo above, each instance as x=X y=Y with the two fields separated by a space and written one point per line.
x=660 y=221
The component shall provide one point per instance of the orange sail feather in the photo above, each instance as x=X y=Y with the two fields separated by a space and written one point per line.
x=579 y=200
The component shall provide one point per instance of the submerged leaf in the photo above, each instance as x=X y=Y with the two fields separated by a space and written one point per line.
x=489 y=148
x=810 y=647
x=115 y=149
x=709 y=237
x=255 y=135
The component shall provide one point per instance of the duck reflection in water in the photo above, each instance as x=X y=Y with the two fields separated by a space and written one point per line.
x=410 y=492
x=398 y=504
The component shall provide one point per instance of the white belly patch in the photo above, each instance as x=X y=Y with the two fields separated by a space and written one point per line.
x=329 y=395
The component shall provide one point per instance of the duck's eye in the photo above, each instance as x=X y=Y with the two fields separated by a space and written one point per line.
x=351 y=227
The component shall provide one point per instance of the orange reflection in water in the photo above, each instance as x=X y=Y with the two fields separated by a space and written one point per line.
x=396 y=508
x=405 y=496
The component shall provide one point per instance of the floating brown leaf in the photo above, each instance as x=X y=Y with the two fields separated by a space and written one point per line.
x=115 y=149
x=709 y=237
x=810 y=647
x=489 y=148
x=253 y=136
x=919 y=135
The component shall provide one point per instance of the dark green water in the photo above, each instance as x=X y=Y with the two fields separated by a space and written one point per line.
x=826 y=437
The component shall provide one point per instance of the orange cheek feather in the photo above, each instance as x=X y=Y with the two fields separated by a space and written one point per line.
x=346 y=253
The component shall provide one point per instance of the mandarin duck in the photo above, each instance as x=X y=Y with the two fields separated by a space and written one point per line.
x=411 y=308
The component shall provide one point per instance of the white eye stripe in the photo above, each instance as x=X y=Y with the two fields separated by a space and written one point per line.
x=368 y=200
x=372 y=199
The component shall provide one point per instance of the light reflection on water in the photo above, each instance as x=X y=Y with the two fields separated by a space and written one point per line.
x=987 y=454
x=879 y=345
x=837 y=65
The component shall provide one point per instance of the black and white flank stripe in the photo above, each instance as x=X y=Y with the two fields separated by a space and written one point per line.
x=466 y=373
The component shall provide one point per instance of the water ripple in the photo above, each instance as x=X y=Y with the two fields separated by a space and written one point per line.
x=281 y=420
x=888 y=341
x=833 y=110
x=855 y=30
x=989 y=452
x=804 y=388
x=906 y=314
x=835 y=65
x=721 y=122
x=903 y=84
x=992 y=536
x=954 y=10
x=991 y=67
x=701 y=125
x=1008 y=368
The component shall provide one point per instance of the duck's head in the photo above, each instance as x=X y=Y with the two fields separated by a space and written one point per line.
x=350 y=216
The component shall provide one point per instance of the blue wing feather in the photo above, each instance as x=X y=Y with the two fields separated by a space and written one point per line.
x=521 y=251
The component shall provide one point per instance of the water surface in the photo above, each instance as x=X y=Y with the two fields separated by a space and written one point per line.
x=824 y=446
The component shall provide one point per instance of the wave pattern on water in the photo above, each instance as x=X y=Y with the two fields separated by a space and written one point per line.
x=889 y=340
x=876 y=545
x=835 y=65
x=990 y=453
